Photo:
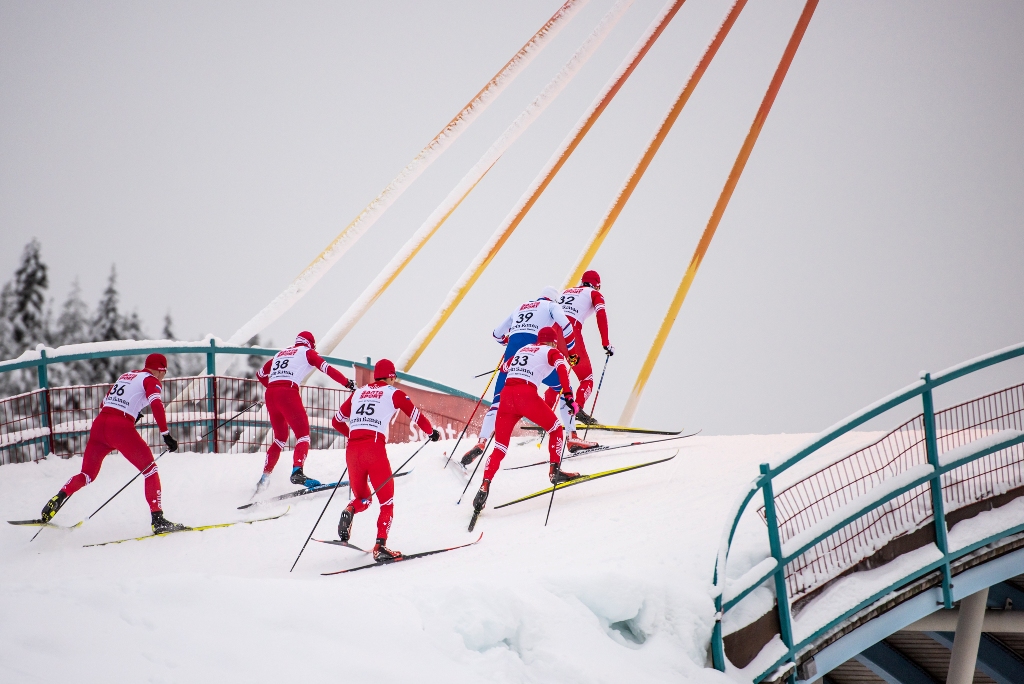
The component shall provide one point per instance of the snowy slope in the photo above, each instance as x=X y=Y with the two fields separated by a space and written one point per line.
x=615 y=589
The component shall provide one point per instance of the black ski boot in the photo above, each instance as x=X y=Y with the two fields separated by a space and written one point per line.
x=53 y=505
x=558 y=476
x=481 y=496
x=162 y=525
x=383 y=554
x=585 y=418
x=299 y=478
x=473 y=453
x=345 y=523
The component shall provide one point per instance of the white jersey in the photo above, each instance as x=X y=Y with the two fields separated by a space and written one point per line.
x=290 y=364
x=578 y=303
x=531 y=317
x=373 y=407
x=129 y=393
x=533 y=363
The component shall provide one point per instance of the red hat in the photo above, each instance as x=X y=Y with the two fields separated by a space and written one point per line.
x=384 y=369
x=305 y=338
x=591 y=278
x=546 y=335
x=156 y=362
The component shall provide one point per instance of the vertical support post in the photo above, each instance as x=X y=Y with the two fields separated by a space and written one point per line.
x=938 y=508
x=45 y=415
x=211 y=395
x=717 y=643
x=964 y=656
x=781 y=595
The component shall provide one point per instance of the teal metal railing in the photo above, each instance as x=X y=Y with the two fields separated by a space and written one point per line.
x=782 y=554
x=40 y=360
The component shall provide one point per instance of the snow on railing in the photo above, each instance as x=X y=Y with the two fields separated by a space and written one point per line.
x=829 y=522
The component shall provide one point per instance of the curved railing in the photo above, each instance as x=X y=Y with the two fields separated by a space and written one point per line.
x=43 y=417
x=881 y=492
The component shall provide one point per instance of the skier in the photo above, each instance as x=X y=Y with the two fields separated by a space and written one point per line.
x=364 y=418
x=516 y=331
x=579 y=304
x=114 y=428
x=526 y=372
x=281 y=376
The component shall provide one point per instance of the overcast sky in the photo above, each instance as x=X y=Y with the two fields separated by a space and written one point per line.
x=212 y=149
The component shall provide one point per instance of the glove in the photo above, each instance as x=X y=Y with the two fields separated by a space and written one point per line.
x=570 y=401
x=351 y=385
x=574 y=359
x=435 y=436
x=503 y=341
x=609 y=350
x=172 y=444
x=138 y=418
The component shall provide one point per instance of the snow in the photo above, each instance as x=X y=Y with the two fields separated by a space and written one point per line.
x=876 y=494
x=738 y=586
x=428 y=155
x=970 y=449
x=551 y=91
x=616 y=588
x=23 y=435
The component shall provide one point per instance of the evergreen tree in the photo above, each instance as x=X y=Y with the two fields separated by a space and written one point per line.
x=72 y=328
x=27 y=299
x=23 y=318
x=106 y=324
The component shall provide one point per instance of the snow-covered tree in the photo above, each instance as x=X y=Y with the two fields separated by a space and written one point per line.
x=72 y=327
x=23 y=317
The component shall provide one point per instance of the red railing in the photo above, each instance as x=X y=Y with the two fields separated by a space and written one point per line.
x=814 y=498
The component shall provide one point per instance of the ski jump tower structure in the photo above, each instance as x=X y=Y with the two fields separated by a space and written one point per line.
x=899 y=563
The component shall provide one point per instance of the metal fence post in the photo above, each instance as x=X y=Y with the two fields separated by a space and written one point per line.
x=44 y=399
x=211 y=396
x=781 y=595
x=935 y=484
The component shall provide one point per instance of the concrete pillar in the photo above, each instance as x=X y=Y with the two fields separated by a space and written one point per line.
x=968 y=636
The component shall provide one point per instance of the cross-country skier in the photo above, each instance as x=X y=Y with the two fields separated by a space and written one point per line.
x=526 y=371
x=114 y=428
x=364 y=418
x=516 y=331
x=281 y=376
x=579 y=304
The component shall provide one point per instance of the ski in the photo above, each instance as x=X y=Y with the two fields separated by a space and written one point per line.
x=472 y=521
x=306 y=490
x=623 y=428
x=405 y=558
x=39 y=522
x=191 y=529
x=584 y=452
x=338 y=542
x=611 y=428
x=586 y=478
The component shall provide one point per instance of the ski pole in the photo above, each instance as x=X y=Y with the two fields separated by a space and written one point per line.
x=128 y=483
x=319 y=518
x=222 y=424
x=215 y=427
x=350 y=485
x=596 y=395
x=554 y=486
x=475 y=468
x=478 y=402
x=480 y=375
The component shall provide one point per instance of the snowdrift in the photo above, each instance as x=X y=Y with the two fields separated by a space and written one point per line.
x=616 y=588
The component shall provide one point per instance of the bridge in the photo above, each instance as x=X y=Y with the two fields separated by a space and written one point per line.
x=901 y=563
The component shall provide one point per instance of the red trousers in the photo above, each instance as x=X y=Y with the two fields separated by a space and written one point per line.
x=367 y=459
x=519 y=399
x=286 y=410
x=115 y=430
x=583 y=370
